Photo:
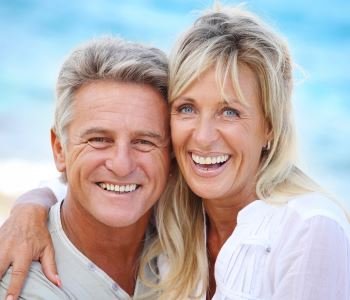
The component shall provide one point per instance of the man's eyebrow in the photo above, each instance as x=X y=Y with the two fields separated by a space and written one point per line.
x=140 y=133
x=93 y=130
x=150 y=134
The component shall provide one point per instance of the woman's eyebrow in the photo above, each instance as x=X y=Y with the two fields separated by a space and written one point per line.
x=183 y=98
x=231 y=101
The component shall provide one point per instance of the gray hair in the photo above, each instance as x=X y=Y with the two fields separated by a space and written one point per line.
x=107 y=58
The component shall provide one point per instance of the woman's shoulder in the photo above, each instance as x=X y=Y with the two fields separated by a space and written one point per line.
x=316 y=204
x=319 y=206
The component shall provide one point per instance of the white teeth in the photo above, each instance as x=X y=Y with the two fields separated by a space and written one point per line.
x=118 y=188
x=208 y=160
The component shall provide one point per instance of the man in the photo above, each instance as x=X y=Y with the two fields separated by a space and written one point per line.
x=110 y=140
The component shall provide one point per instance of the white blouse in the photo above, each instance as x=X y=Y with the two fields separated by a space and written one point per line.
x=298 y=251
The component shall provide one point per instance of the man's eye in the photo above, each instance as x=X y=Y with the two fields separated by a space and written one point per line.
x=99 y=142
x=144 y=145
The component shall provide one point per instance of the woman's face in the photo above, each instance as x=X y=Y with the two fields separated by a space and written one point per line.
x=218 y=142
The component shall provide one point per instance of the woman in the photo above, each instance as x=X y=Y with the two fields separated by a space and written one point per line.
x=260 y=227
x=233 y=137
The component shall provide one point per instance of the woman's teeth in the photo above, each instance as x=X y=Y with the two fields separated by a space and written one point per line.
x=209 y=160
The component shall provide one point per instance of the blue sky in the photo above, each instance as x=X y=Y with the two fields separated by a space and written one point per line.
x=37 y=35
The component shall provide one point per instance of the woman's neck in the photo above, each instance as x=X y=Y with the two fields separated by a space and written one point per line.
x=222 y=216
x=221 y=222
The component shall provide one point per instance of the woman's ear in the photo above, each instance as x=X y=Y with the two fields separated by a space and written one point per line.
x=268 y=131
x=58 y=152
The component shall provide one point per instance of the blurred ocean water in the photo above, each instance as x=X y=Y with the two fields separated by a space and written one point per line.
x=37 y=35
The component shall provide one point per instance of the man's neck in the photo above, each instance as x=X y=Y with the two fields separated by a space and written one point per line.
x=114 y=250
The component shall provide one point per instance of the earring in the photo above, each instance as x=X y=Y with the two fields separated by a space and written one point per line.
x=267 y=147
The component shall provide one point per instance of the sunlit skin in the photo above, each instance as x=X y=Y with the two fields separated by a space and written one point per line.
x=218 y=143
x=119 y=136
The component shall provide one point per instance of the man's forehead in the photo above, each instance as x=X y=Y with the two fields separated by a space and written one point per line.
x=119 y=97
x=123 y=113
x=114 y=87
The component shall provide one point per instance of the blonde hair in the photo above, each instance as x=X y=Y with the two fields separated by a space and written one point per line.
x=225 y=38
x=179 y=229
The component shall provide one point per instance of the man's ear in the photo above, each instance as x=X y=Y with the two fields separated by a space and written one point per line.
x=58 y=152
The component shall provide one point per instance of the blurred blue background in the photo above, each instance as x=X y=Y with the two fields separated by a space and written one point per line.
x=37 y=35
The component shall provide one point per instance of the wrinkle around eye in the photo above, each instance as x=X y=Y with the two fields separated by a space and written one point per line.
x=145 y=147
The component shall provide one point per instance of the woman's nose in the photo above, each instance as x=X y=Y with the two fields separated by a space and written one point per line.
x=205 y=132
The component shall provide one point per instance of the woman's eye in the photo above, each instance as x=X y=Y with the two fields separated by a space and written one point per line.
x=185 y=109
x=230 y=112
x=99 y=142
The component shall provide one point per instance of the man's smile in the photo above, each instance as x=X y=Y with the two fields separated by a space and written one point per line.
x=126 y=188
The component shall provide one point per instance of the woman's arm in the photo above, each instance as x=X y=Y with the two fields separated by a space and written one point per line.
x=24 y=237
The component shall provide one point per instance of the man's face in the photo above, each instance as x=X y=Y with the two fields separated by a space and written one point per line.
x=117 y=154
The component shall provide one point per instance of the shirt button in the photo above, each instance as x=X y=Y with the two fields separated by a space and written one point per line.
x=115 y=287
x=91 y=267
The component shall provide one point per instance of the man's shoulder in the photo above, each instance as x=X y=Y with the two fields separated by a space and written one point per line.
x=37 y=286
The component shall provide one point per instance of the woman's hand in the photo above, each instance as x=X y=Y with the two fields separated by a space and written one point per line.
x=24 y=237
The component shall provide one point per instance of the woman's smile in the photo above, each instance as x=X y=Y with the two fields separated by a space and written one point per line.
x=209 y=165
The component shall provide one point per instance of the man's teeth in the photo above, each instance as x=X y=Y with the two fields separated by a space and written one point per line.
x=209 y=160
x=118 y=188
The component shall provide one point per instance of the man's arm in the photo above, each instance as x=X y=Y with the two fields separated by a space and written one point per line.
x=24 y=237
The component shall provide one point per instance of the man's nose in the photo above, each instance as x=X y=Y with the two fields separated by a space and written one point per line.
x=121 y=160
